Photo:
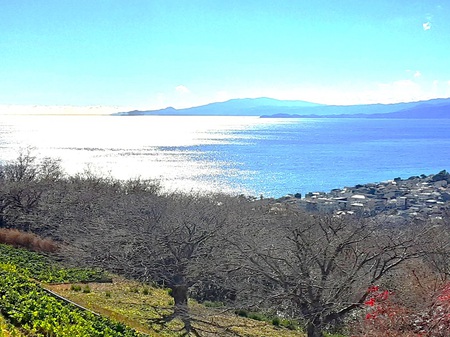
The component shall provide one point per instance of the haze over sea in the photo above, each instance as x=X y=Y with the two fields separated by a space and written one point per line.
x=245 y=155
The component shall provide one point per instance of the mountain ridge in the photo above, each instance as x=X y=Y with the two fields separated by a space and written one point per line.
x=273 y=108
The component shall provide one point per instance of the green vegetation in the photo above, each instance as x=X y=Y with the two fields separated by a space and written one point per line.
x=9 y=330
x=125 y=301
x=41 y=268
x=75 y=287
x=24 y=303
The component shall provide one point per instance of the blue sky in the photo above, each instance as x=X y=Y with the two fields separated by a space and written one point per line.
x=158 y=53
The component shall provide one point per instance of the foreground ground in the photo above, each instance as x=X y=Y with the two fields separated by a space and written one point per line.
x=136 y=305
x=30 y=284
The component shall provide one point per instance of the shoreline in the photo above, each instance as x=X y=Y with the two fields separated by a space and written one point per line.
x=415 y=197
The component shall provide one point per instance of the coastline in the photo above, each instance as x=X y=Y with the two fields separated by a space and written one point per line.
x=417 y=197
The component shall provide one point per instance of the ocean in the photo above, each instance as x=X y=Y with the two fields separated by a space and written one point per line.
x=238 y=155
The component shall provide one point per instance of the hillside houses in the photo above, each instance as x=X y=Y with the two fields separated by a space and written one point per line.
x=424 y=196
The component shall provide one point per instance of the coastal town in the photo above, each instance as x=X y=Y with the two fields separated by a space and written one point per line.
x=413 y=198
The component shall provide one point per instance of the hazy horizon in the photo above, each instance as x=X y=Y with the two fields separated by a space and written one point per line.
x=156 y=54
x=105 y=110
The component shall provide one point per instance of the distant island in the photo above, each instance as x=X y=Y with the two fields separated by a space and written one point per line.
x=272 y=108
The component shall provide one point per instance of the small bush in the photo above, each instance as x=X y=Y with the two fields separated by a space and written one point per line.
x=108 y=294
x=241 y=312
x=146 y=291
x=276 y=321
x=288 y=324
x=257 y=316
x=86 y=289
x=210 y=304
x=75 y=287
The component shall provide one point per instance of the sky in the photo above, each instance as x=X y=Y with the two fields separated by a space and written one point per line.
x=149 y=54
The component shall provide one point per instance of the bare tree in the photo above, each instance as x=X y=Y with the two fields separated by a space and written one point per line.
x=438 y=250
x=168 y=239
x=317 y=268
x=22 y=184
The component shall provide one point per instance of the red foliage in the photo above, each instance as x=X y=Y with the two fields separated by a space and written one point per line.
x=384 y=317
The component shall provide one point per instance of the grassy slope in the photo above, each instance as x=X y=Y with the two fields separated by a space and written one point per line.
x=134 y=304
x=129 y=302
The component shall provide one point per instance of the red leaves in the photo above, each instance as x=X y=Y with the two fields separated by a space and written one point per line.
x=373 y=289
x=386 y=318
x=370 y=302
x=375 y=300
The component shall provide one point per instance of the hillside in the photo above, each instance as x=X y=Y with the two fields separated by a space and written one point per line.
x=218 y=265
x=234 y=107
x=267 y=107
x=78 y=305
x=425 y=110
x=438 y=109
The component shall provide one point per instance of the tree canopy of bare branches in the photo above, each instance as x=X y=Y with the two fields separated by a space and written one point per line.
x=317 y=268
x=169 y=239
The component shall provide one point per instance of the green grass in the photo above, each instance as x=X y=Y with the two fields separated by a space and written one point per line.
x=41 y=268
x=129 y=302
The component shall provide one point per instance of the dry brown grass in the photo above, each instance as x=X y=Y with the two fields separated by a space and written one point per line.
x=26 y=240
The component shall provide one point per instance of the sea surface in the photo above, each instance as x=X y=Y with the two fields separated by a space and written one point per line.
x=238 y=155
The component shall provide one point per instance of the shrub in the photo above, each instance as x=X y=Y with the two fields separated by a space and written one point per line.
x=289 y=324
x=241 y=312
x=30 y=241
x=75 y=287
x=384 y=317
x=210 y=304
x=257 y=316
x=276 y=321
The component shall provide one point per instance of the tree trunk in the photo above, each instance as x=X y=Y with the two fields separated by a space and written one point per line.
x=314 y=329
x=179 y=294
x=181 y=310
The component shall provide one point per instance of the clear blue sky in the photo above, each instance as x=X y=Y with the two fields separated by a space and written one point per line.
x=157 y=53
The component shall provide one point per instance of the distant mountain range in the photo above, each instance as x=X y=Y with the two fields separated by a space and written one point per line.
x=233 y=107
x=273 y=108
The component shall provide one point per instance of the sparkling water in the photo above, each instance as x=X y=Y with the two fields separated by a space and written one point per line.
x=236 y=155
